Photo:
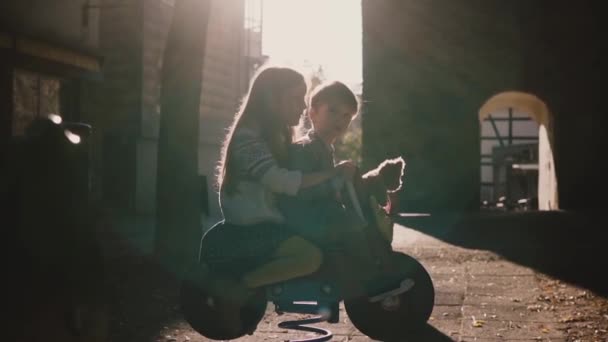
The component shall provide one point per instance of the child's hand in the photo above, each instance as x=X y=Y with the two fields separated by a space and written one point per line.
x=383 y=221
x=347 y=169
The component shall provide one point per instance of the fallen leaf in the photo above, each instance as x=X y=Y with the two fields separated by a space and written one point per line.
x=477 y=323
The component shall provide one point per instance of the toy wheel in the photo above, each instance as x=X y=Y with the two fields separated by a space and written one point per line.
x=200 y=308
x=394 y=317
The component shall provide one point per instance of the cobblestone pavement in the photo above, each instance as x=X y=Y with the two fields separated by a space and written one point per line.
x=479 y=297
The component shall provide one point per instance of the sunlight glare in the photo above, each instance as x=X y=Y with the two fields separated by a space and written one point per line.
x=311 y=33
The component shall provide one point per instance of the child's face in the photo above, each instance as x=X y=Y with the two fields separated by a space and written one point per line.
x=291 y=104
x=331 y=121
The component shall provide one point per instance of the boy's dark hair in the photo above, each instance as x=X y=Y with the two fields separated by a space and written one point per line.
x=333 y=93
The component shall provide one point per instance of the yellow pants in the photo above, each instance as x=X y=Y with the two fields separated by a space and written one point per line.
x=295 y=257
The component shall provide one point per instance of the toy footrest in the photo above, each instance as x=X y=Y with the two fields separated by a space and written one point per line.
x=328 y=311
x=313 y=308
x=303 y=290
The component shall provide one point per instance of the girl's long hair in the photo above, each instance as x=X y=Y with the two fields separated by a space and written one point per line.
x=257 y=109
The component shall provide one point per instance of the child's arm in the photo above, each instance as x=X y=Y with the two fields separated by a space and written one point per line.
x=304 y=159
x=252 y=156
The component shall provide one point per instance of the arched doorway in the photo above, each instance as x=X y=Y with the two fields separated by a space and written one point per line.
x=514 y=102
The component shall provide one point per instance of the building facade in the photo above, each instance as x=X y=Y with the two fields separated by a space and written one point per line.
x=47 y=66
x=132 y=39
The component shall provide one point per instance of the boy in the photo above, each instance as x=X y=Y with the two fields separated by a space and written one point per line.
x=318 y=213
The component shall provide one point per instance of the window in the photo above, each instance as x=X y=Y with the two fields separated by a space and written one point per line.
x=34 y=95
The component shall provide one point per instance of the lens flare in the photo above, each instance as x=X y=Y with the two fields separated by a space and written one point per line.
x=73 y=138
x=55 y=118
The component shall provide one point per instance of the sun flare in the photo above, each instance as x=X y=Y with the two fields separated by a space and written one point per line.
x=312 y=33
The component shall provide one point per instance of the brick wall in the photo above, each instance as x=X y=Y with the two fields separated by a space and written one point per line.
x=119 y=101
x=222 y=86
x=429 y=66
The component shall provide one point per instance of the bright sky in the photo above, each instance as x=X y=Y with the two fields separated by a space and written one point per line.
x=307 y=33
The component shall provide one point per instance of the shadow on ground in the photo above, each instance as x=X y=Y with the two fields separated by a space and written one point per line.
x=430 y=334
x=143 y=295
x=568 y=246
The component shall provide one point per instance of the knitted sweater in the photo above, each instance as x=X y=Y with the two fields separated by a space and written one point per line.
x=258 y=178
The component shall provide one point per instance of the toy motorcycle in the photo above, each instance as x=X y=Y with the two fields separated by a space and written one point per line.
x=400 y=302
